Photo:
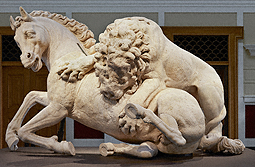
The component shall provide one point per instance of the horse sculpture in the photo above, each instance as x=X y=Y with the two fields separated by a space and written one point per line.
x=114 y=91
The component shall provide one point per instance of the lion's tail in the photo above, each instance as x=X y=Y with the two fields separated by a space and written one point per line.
x=215 y=122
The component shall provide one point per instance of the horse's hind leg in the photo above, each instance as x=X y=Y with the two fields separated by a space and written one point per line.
x=30 y=100
x=50 y=115
x=135 y=111
x=145 y=150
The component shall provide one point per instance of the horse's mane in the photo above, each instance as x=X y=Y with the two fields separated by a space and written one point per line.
x=80 y=30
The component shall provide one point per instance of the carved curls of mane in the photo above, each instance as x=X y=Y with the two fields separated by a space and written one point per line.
x=129 y=41
x=80 y=30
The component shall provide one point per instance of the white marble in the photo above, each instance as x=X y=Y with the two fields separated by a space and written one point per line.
x=134 y=85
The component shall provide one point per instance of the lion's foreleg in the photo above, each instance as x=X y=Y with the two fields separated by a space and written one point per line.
x=135 y=111
x=74 y=67
x=143 y=96
x=146 y=92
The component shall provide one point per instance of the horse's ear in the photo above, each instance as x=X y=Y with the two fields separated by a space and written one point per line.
x=25 y=16
x=12 y=23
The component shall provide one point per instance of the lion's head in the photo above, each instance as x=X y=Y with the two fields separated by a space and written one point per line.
x=123 y=57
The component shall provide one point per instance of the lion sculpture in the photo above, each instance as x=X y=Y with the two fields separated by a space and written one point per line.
x=139 y=42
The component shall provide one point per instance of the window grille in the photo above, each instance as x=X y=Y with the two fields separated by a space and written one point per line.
x=206 y=47
x=10 y=50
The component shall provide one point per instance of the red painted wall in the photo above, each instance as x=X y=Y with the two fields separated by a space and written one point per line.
x=250 y=121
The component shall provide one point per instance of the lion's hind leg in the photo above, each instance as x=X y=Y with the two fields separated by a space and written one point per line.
x=172 y=133
x=211 y=99
x=145 y=150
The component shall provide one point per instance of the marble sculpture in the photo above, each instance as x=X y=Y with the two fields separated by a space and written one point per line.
x=134 y=85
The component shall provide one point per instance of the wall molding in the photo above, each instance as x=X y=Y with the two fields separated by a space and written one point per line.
x=250 y=48
x=249 y=68
x=131 y=6
x=249 y=99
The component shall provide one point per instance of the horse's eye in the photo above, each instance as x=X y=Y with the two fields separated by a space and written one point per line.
x=30 y=34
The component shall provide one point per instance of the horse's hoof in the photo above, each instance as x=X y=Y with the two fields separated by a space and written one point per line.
x=106 y=149
x=68 y=148
x=14 y=145
x=12 y=142
x=54 y=137
x=71 y=148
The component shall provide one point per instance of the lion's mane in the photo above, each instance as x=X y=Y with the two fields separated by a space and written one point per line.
x=123 y=55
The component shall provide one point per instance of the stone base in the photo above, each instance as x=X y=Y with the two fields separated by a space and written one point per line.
x=36 y=156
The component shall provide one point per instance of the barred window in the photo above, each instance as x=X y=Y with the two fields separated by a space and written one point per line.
x=10 y=50
x=206 y=47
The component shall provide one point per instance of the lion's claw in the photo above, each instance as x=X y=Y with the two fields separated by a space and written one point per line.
x=127 y=125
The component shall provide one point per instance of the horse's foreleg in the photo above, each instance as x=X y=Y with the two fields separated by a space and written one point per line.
x=145 y=150
x=173 y=134
x=50 y=115
x=29 y=101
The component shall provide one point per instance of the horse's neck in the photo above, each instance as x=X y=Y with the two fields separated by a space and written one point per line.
x=62 y=42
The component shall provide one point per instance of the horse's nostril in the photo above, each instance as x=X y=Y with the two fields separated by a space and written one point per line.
x=28 y=55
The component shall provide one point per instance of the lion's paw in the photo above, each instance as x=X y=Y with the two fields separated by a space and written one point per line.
x=127 y=125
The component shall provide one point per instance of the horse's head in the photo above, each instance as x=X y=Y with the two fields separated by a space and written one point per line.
x=32 y=39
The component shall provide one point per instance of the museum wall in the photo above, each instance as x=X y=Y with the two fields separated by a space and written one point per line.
x=200 y=19
x=249 y=61
x=98 y=21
